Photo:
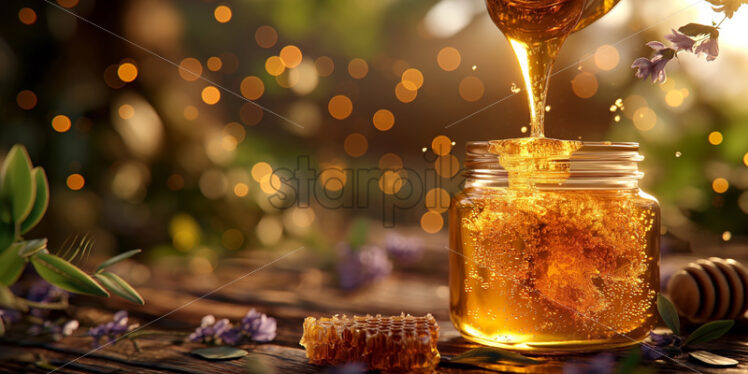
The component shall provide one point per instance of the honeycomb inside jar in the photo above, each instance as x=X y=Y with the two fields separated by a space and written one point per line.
x=550 y=270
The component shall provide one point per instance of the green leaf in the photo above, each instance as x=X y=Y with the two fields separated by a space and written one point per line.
x=668 y=313
x=712 y=360
x=709 y=331
x=7 y=235
x=119 y=287
x=696 y=29
x=116 y=259
x=31 y=247
x=40 y=202
x=65 y=275
x=220 y=353
x=18 y=188
x=11 y=264
x=491 y=355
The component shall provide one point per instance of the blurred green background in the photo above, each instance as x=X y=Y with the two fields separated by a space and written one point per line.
x=143 y=155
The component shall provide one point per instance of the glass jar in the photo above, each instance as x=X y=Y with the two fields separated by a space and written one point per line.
x=566 y=260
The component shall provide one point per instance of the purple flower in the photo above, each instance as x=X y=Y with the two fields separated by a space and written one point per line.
x=654 y=68
x=403 y=248
x=357 y=267
x=259 y=326
x=709 y=47
x=681 y=41
x=215 y=332
x=662 y=344
x=54 y=330
x=111 y=331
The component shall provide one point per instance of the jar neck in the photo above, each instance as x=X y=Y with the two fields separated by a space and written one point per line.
x=594 y=166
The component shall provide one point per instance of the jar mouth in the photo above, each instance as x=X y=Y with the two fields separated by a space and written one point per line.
x=597 y=164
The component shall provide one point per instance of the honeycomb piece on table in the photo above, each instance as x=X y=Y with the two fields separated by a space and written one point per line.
x=401 y=343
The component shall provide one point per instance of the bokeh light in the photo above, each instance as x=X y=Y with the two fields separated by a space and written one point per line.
x=403 y=94
x=291 y=56
x=447 y=166
x=252 y=87
x=390 y=182
x=75 y=181
x=26 y=99
x=61 y=123
x=67 y=3
x=241 y=189
x=358 y=68
x=127 y=72
x=190 y=112
x=448 y=59
x=340 y=107
x=266 y=36
x=471 y=88
x=27 y=16
x=222 y=13
x=441 y=145
x=355 y=145
x=432 y=222
x=674 y=98
x=412 y=79
x=645 y=119
x=274 y=66
x=325 y=66
x=333 y=177
x=606 y=57
x=210 y=95
x=720 y=185
x=715 y=138
x=190 y=69
x=260 y=170
x=383 y=119
x=126 y=111
x=390 y=161
x=726 y=236
x=584 y=85
x=214 y=63
x=437 y=200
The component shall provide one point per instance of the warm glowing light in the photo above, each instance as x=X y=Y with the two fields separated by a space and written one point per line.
x=606 y=57
x=236 y=131
x=252 y=87
x=743 y=202
x=127 y=72
x=726 y=236
x=126 y=111
x=26 y=99
x=645 y=119
x=441 y=145
x=584 y=85
x=184 y=231
x=222 y=13
x=358 y=68
x=720 y=185
x=27 y=16
x=471 y=88
x=745 y=159
x=270 y=184
x=390 y=161
x=266 y=36
x=75 y=182
x=383 y=119
x=715 y=138
x=403 y=94
x=291 y=56
x=674 y=98
x=190 y=69
x=214 y=63
x=432 y=222
x=61 y=123
x=67 y=3
x=632 y=104
x=210 y=95
x=241 y=189
x=437 y=200
x=340 y=107
x=355 y=145
x=325 y=66
x=260 y=170
x=447 y=166
x=190 y=113
x=390 y=182
x=333 y=179
x=412 y=79
x=449 y=59
x=274 y=66
x=398 y=67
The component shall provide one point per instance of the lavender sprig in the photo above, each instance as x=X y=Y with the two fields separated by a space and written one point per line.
x=254 y=326
x=110 y=331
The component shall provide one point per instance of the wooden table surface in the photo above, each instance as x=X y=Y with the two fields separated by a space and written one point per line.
x=288 y=290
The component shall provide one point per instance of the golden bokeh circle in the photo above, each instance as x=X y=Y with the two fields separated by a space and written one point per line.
x=214 y=63
x=720 y=185
x=447 y=166
x=437 y=200
x=390 y=182
x=252 y=87
x=645 y=119
x=432 y=222
x=383 y=119
x=631 y=104
x=471 y=88
x=291 y=56
x=190 y=112
x=715 y=138
x=260 y=169
x=584 y=85
x=441 y=145
x=403 y=94
x=210 y=95
x=340 y=107
x=606 y=57
x=127 y=72
x=449 y=59
x=67 y=3
x=358 y=68
x=27 y=16
x=266 y=36
x=222 y=13
x=190 y=69
x=325 y=66
x=126 y=111
x=674 y=98
x=333 y=179
x=241 y=189
x=274 y=66
x=355 y=145
x=75 y=181
x=26 y=99
x=390 y=161
x=412 y=79
x=61 y=123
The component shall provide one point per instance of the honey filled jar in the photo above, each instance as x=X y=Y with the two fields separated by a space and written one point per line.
x=553 y=246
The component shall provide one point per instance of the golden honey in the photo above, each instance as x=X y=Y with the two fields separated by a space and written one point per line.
x=553 y=246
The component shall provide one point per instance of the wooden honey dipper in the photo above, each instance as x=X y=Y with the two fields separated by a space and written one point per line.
x=710 y=289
